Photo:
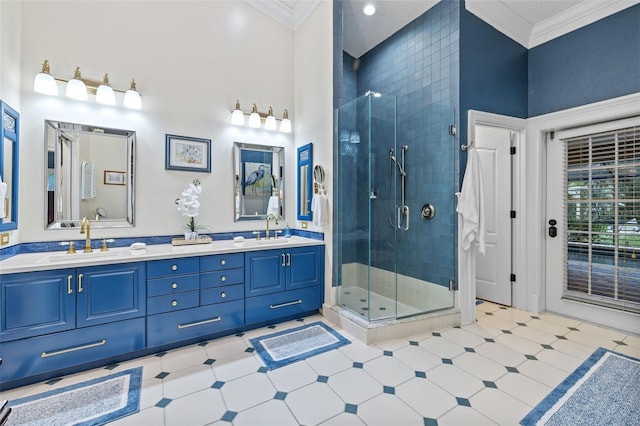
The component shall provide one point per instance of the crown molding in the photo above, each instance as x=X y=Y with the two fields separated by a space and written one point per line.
x=575 y=17
x=290 y=14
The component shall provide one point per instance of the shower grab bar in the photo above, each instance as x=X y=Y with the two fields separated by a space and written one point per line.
x=403 y=211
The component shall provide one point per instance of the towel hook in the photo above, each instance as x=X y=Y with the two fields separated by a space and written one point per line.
x=467 y=147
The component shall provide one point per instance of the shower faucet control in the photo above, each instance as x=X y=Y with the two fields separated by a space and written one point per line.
x=428 y=211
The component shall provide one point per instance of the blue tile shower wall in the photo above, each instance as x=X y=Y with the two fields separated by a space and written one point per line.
x=594 y=63
x=419 y=67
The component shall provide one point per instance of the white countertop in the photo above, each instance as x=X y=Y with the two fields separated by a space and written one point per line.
x=29 y=262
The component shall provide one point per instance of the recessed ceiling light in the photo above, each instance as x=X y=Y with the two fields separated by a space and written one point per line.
x=369 y=9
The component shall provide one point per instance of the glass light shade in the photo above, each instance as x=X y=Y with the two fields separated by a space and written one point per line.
x=105 y=95
x=132 y=99
x=254 y=118
x=45 y=83
x=237 y=116
x=76 y=89
x=270 y=122
x=285 y=124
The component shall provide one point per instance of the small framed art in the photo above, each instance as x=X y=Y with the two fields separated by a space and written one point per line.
x=186 y=153
x=112 y=177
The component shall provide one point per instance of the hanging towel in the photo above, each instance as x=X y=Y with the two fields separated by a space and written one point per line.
x=3 y=193
x=272 y=208
x=471 y=204
x=319 y=207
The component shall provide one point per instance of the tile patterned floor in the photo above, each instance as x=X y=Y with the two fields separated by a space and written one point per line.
x=490 y=372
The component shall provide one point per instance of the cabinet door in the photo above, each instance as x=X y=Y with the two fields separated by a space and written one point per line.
x=110 y=293
x=264 y=272
x=305 y=267
x=35 y=303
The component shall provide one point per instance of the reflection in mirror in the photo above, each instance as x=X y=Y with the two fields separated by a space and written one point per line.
x=89 y=173
x=305 y=164
x=9 y=168
x=258 y=181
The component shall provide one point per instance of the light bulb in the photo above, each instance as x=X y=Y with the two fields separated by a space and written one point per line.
x=285 y=124
x=270 y=122
x=254 y=118
x=44 y=81
x=105 y=94
x=76 y=88
x=237 y=116
x=369 y=9
x=132 y=98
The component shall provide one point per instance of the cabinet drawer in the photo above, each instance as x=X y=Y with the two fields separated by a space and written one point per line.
x=171 y=285
x=172 y=302
x=171 y=267
x=279 y=305
x=219 y=278
x=219 y=262
x=192 y=323
x=228 y=293
x=28 y=357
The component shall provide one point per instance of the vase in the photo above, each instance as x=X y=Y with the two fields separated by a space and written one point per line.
x=190 y=235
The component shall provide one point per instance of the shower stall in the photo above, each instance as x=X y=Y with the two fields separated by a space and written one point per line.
x=394 y=236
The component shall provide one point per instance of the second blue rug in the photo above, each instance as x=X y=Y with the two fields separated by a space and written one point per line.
x=284 y=347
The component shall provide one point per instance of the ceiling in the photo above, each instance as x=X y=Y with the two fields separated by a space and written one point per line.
x=529 y=22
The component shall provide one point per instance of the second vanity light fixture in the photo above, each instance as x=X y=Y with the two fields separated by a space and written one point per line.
x=255 y=119
x=78 y=88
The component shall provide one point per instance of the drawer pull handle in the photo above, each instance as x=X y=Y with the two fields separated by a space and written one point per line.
x=223 y=262
x=69 y=289
x=223 y=278
x=174 y=267
x=282 y=305
x=193 y=324
x=223 y=295
x=77 y=348
x=80 y=289
x=174 y=303
x=174 y=285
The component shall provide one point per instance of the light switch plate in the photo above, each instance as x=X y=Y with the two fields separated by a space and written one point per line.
x=4 y=238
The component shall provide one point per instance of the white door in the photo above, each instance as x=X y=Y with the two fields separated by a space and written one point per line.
x=493 y=271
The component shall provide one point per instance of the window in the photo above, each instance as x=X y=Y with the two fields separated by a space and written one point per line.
x=603 y=218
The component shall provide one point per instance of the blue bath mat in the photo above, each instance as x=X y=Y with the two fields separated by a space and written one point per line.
x=602 y=391
x=295 y=344
x=94 y=402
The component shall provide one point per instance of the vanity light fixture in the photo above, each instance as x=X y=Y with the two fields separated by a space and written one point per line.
x=79 y=88
x=105 y=94
x=76 y=89
x=44 y=81
x=256 y=117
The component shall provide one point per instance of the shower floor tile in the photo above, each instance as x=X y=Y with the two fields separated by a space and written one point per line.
x=373 y=306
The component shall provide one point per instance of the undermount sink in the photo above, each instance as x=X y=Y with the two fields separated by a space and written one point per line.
x=80 y=255
x=273 y=241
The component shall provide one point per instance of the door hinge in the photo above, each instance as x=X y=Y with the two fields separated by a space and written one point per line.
x=552 y=135
x=453 y=285
x=512 y=214
x=512 y=278
x=512 y=150
x=453 y=130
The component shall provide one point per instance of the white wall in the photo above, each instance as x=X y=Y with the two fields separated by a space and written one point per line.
x=191 y=61
x=313 y=53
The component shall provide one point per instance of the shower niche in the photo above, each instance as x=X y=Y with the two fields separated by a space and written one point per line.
x=389 y=262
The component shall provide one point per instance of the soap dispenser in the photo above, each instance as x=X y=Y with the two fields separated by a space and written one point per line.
x=287 y=231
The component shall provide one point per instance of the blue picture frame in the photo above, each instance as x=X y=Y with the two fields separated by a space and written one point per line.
x=10 y=132
x=187 y=153
x=305 y=182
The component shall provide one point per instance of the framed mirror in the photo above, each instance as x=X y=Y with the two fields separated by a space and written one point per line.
x=305 y=181
x=258 y=181
x=89 y=172
x=9 y=168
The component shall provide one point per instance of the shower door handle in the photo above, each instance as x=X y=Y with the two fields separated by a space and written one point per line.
x=403 y=211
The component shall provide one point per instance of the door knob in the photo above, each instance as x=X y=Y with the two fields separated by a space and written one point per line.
x=553 y=231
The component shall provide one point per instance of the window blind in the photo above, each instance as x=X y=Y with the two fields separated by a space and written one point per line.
x=602 y=208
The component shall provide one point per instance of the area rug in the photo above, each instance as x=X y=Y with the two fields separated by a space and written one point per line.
x=295 y=344
x=604 y=390
x=94 y=402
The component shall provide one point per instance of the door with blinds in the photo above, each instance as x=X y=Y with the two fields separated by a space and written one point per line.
x=593 y=222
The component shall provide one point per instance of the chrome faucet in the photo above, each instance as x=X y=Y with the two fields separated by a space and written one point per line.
x=86 y=224
x=275 y=219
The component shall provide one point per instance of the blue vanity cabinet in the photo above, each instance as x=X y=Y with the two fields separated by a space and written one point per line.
x=283 y=283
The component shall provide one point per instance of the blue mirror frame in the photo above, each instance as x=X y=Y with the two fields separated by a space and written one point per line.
x=10 y=131
x=305 y=183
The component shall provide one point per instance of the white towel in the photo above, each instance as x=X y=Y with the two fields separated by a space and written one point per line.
x=272 y=208
x=471 y=204
x=3 y=193
x=320 y=207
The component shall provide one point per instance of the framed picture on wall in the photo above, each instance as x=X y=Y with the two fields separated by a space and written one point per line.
x=186 y=153
x=112 y=177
